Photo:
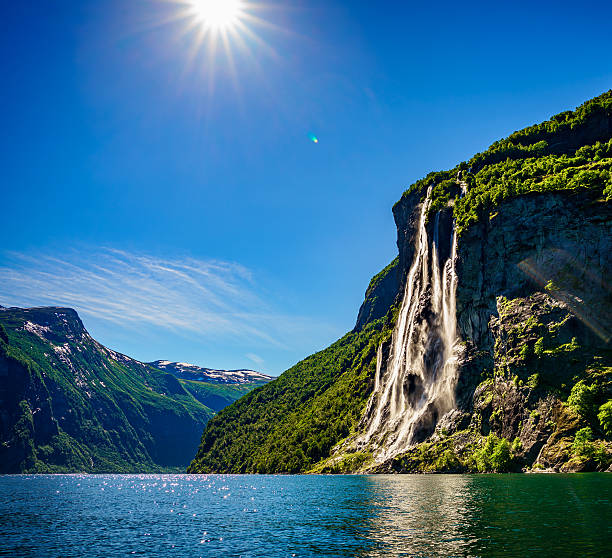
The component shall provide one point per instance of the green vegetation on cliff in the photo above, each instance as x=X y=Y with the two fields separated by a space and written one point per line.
x=535 y=391
x=571 y=151
x=292 y=423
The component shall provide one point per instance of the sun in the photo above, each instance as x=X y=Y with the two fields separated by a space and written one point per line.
x=217 y=15
x=218 y=33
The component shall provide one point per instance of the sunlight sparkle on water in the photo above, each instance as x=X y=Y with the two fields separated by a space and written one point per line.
x=335 y=516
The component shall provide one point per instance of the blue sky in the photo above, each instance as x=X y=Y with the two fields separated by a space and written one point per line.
x=177 y=201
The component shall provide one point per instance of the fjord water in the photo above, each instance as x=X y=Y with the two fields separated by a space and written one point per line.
x=270 y=516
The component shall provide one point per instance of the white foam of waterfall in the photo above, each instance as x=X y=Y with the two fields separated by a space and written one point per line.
x=415 y=385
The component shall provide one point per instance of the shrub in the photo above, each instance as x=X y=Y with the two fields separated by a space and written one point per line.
x=482 y=455
x=605 y=417
x=533 y=380
x=608 y=190
x=583 y=445
x=494 y=455
x=538 y=348
x=500 y=459
x=601 y=455
x=581 y=399
x=447 y=461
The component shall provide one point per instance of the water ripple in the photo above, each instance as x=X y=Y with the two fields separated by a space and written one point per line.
x=285 y=516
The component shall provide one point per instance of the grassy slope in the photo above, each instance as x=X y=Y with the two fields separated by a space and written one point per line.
x=106 y=412
x=291 y=424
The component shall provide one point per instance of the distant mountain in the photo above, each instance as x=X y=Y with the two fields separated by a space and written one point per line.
x=67 y=403
x=214 y=388
x=186 y=371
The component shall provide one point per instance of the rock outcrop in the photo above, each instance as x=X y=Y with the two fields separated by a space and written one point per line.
x=380 y=295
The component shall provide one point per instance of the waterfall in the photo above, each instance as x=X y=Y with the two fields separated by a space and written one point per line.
x=414 y=386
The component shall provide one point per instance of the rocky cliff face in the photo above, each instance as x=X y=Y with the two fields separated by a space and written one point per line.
x=561 y=240
x=380 y=295
x=534 y=311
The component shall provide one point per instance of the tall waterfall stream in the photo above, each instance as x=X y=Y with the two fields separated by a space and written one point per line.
x=415 y=385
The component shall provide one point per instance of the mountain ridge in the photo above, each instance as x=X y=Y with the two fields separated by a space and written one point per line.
x=187 y=371
x=69 y=404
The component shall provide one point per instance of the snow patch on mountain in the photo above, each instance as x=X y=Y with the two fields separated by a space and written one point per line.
x=187 y=371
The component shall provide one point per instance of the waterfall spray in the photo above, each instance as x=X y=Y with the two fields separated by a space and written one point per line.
x=415 y=385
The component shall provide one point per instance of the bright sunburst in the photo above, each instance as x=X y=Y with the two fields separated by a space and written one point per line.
x=216 y=31
x=218 y=14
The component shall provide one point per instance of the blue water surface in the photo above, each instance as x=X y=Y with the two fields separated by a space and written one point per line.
x=67 y=516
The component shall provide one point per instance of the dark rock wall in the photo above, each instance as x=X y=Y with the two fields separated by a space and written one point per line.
x=534 y=271
x=380 y=295
x=560 y=240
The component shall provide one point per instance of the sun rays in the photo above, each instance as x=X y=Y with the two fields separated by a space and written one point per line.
x=218 y=36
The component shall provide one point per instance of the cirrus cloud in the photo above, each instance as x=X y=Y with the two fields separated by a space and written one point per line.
x=209 y=299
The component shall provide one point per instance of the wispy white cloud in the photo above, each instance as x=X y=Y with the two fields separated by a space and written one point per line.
x=255 y=358
x=189 y=296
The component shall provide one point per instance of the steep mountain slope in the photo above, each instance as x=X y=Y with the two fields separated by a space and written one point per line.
x=69 y=404
x=501 y=311
x=291 y=423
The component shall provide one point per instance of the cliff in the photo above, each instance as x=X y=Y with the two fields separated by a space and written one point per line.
x=485 y=346
x=534 y=312
x=69 y=404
